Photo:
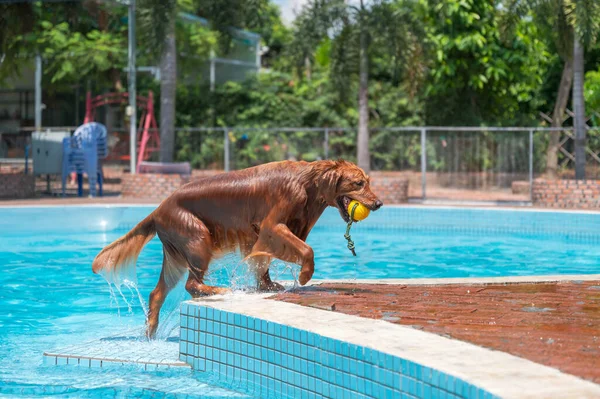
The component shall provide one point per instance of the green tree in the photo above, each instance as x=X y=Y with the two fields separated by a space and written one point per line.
x=357 y=31
x=584 y=16
x=592 y=90
x=476 y=77
x=157 y=26
x=12 y=30
x=573 y=25
x=158 y=29
x=77 y=41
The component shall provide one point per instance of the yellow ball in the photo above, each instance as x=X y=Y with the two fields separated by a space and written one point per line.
x=360 y=213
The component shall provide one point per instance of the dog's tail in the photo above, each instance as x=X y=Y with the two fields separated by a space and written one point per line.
x=116 y=262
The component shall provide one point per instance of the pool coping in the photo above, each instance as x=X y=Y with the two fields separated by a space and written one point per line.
x=550 y=278
x=497 y=372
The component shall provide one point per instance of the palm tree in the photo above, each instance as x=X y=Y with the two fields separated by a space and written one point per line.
x=573 y=25
x=157 y=23
x=363 y=155
x=584 y=17
x=355 y=29
x=157 y=27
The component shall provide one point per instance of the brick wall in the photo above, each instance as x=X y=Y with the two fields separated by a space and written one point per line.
x=17 y=185
x=157 y=186
x=199 y=174
x=390 y=188
x=150 y=185
x=566 y=193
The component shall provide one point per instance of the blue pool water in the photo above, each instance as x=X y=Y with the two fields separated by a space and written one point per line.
x=50 y=298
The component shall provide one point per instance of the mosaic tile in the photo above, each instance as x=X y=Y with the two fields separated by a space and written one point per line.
x=287 y=362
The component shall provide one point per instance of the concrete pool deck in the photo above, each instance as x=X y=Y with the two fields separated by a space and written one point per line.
x=554 y=323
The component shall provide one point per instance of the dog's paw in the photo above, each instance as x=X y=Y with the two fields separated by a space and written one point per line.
x=305 y=277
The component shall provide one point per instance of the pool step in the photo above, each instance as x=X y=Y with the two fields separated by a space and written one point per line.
x=119 y=350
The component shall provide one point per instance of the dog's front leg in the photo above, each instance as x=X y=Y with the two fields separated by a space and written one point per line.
x=279 y=242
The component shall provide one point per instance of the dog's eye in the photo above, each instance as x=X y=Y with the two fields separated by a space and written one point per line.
x=360 y=183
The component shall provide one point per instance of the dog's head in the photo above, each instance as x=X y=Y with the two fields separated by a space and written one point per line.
x=347 y=182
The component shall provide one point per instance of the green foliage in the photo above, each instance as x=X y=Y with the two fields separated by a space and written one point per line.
x=431 y=62
x=76 y=40
x=584 y=17
x=155 y=21
x=592 y=93
x=195 y=43
x=279 y=100
x=11 y=29
x=74 y=54
x=477 y=78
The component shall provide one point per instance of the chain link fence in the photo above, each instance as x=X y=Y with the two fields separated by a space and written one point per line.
x=441 y=163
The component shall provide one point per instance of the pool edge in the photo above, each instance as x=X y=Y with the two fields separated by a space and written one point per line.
x=498 y=373
x=541 y=279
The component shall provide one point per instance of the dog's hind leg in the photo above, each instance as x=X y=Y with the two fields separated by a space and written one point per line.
x=199 y=254
x=171 y=273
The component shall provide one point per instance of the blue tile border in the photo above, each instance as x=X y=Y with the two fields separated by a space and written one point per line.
x=275 y=360
x=568 y=224
x=105 y=363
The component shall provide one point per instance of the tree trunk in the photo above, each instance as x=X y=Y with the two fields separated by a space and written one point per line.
x=363 y=104
x=562 y=98
x=307 y=68
x=579 y=109
x=168 y=85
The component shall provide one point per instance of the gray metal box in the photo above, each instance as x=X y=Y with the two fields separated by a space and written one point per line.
x=47 y=152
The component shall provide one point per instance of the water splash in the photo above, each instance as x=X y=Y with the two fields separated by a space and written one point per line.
x=240 y=276
x=133 y=288
x=120 y=275
x=280 y=270
x=124 y=276
x=169 y=319
x=230 y=271
x=114 y=301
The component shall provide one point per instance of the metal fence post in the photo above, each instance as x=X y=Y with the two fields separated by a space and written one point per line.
x=531 y=165
x=326 y=143
x=423 y=164
x=26 y=159
x=226 y=149
x=38 y=93
x=131 y=60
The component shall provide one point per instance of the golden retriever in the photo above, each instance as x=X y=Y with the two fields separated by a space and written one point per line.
x=265 y=211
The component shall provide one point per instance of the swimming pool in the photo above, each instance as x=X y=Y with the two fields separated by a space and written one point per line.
x=50 y=297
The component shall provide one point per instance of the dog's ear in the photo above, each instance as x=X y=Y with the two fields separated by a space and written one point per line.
x=341 y=162
x=326 y=173
x=335 y=175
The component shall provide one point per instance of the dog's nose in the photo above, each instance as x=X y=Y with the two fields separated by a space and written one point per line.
x=377 y=205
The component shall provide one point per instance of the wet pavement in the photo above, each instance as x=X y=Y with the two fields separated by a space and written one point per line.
x=555 y=324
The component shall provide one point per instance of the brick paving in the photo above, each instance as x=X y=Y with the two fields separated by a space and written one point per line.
x=555 y=324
